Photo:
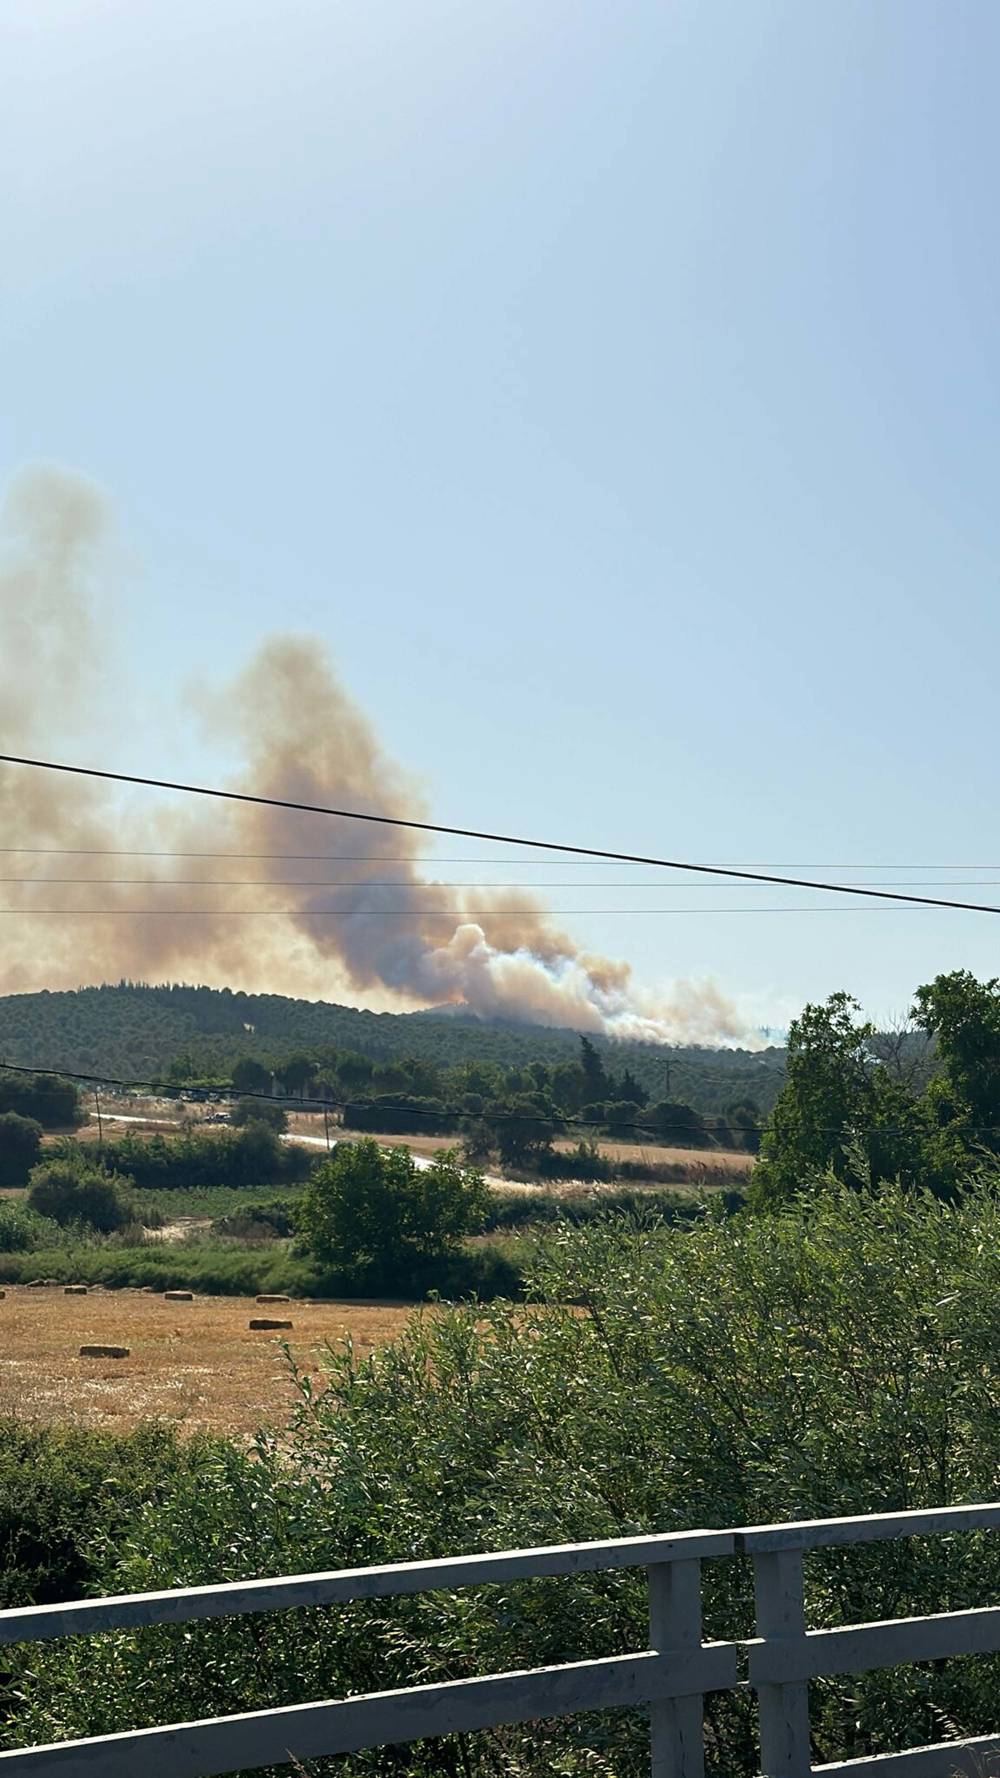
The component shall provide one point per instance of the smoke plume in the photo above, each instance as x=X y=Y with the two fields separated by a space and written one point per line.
x=398 y=938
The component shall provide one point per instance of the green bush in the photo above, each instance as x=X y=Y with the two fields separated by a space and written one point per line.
x=833 y=1358
x=20 y=1147
x=373 y=1213
x=22 y=1230
x=255 y=1222
x=51 y=1101
x=69 y=1497
x=260 y=1111
x=247 y=1158
x=69 y=1193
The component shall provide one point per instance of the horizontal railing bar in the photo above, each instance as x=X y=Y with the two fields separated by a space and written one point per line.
x=382 y=1719
x=33 y=1623
x=964 y=1759
x=860 y=1648
x=814 y=1534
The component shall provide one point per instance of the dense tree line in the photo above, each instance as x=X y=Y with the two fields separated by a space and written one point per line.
x=513 y=1114
x=52 y=1103
x=130 y=1028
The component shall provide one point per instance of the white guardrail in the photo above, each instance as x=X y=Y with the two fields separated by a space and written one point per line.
x=669 y=1678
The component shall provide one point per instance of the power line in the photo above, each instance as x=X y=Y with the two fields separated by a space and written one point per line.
x=458 y=915
x=410 y=883
x=175 y=1088
x=386 y=858
x=470 y=833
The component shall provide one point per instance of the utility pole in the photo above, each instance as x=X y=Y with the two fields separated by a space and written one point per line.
x=326 y=1127
x=100 y=1125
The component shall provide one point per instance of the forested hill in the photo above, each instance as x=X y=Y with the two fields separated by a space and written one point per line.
x=130 y=1029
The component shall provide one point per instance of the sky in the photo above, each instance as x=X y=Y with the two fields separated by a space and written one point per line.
x=611 y=388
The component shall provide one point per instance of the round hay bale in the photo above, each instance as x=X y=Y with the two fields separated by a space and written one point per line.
x=74 y=1290
x=3 y=1293
x=274 y=1299
x=178 y=1296
x=264 y=1324
x=105 y=1351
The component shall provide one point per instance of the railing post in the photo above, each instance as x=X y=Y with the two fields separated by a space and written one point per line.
x=782 y=1710
x=677 y=1737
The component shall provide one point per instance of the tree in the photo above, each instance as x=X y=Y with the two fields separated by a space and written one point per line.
x=70 y=1191
x=840 y=1112
x=20 y=1146
x=629 y=1088
x=596 y=1085
x=374 y=1212
x=744 y=1121
x=622 y=1115
x=251 y=1076
x=676 y=1122
x=963 y=1015
x=52 y=1101
x=354 y=1072
x=297 y=1073
x=260 y=1111
x=524 y=1128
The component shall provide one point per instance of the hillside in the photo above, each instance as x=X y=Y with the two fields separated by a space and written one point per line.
x=131 y=1029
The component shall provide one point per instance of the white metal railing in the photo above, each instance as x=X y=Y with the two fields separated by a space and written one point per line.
x=670 y=1678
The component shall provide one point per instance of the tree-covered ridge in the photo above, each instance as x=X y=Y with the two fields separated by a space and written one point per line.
x=131 y=1028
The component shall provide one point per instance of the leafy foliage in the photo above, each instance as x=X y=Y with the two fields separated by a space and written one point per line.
x=848 y=1111
x=20 y=1146
x=374 y=1213
x=71 y=1193
x=53 y=1103
x=245 y=1158
x=836 y=1357
x=130 y=1028
x=260 y=1111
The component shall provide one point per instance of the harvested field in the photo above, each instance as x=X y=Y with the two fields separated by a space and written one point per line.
x=697 y=1160
x=195 y=1364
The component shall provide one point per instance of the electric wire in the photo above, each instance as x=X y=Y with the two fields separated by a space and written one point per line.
x=504 y=839
x=222 y=1088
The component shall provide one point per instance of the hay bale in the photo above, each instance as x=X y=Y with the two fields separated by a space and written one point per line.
x=262 y=1323
x=105 y=1351
x=274 y=1299
x=178 y=1296
x=3 y=1293
x=74 y=1290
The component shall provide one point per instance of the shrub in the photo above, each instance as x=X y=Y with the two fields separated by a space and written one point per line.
x=20 y=1146
x=374 y=1212
x=70 y=1192
x=22 y=1230
x=260 y=1111
x=246 y=1158
x=837 y=1357
x=52 y=1101
x=67 y=1497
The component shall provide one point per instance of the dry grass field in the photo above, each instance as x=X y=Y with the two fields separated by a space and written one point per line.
x=195 y=1364
x=697 y=1161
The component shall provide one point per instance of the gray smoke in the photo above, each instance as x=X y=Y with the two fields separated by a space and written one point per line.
x=400 y=939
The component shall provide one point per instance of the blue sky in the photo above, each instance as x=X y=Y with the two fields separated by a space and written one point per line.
x=612 y=388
